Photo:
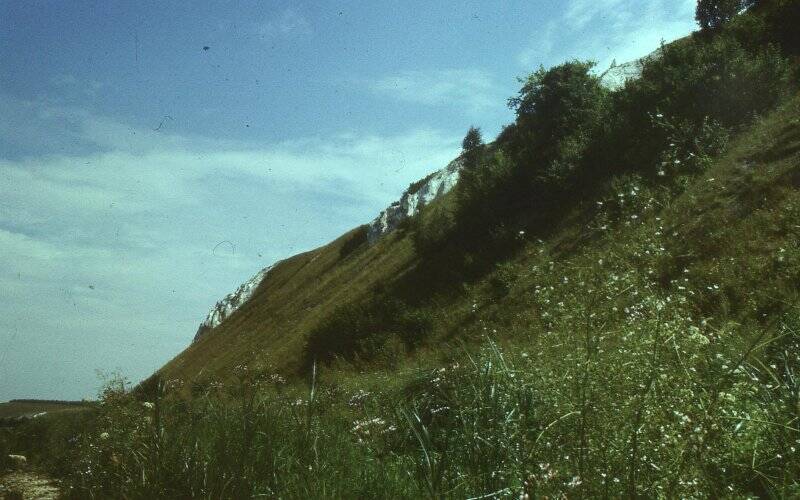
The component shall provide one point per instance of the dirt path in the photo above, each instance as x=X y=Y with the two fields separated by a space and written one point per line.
x=31 y=485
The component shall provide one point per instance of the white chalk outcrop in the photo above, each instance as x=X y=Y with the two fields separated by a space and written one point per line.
x=233 y=301
x=417 y=196
x=614 y=78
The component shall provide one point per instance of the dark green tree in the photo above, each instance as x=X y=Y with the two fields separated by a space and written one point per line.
x=472 y=146
x=712 y=14
x=473 y=140
x=558 y=110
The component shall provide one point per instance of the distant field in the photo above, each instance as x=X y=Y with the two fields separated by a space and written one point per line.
x=20 y=408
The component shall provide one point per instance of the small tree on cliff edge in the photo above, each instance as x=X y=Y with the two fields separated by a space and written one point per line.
x=472 y=145
x=472 y=141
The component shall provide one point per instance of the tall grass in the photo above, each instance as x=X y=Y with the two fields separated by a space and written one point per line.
x=658 y=407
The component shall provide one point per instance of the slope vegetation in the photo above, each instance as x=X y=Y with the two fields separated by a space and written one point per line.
x=271 y=328
x=647 y=348
x=605 y=306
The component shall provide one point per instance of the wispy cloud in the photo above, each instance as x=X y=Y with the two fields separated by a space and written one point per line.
x=470 y=89
x=108 y=249
x=69 y=83
x=605 y=30
x=579 y=13
x=289 y=22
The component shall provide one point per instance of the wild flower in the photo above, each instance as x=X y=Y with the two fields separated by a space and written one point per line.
x=277 y=379
x=173 y=384
x=440 y=409
x=358 y=399
x=366 y=428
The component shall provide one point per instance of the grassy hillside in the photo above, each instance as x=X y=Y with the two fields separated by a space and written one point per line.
x=546 y=175
x=270 y=329
x=647 y=348
x=605 y=306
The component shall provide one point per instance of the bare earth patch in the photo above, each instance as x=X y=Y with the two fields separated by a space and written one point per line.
x=31 y=485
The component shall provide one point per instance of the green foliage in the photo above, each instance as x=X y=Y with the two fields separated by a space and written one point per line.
x=783 y=17
x=694 y=84
x=537 y=161
x=359 y=331
x=472 y=149
x=432 y=230
x=659 y=405
x=502 y=279
x=690 y=150
x=571 y=135
x=472 y=141
x=483 y=194
x=558 y=111
x=715 y=13
x=649 y=349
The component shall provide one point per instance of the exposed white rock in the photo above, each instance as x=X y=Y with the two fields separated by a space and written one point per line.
x=233 y=301
x=422 y=193
x=614 y=78
x=416 y=197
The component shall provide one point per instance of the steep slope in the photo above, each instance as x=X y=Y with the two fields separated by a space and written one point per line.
x=648 y=352
x=302 y=291
x=296 y=293
x=629 y=329
x=418 y=195
x=232 y=302
x=269 y=319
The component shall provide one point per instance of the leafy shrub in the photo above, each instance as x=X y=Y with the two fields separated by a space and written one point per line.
x=691 y=82
x=782 y=19
x=715 y=13
x=689 y=151
x=431 y=229
x=628 y=200
x=557 y=111
x=360 y=330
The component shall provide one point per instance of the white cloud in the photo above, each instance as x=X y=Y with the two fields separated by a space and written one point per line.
x=607 y=30
x=108 y=256
x=287 y=23
x=579 y=13
x=472 y=89
x=67 y=82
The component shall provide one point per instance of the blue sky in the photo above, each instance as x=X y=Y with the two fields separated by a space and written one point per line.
x=128 y=152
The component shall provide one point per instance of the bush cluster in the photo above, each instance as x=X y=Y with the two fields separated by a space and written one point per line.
x=571 y=136
x=361 y=331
